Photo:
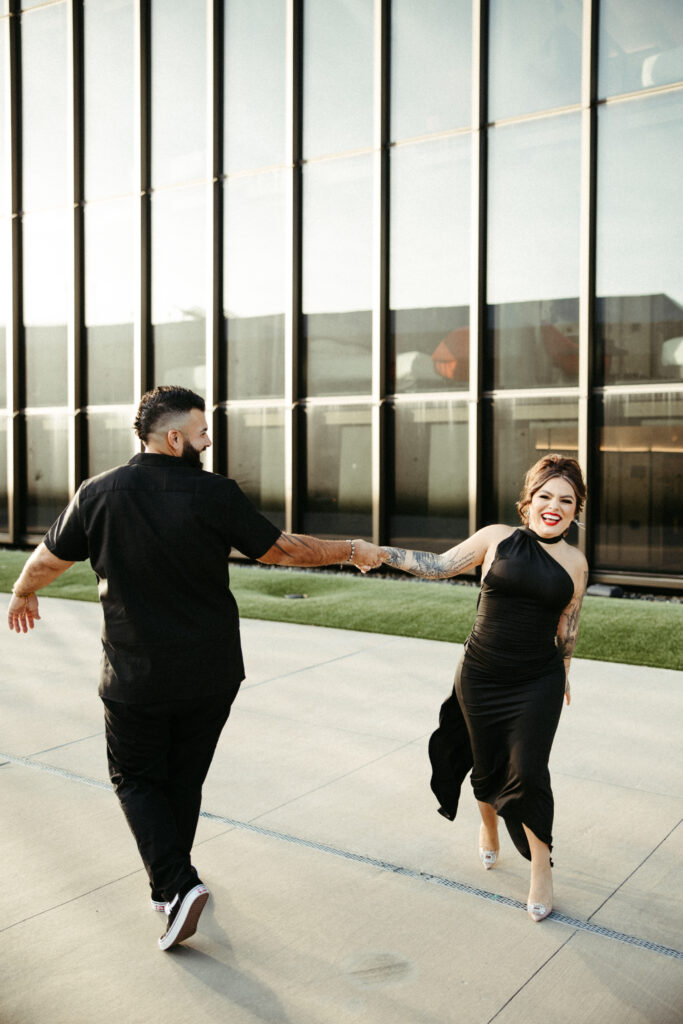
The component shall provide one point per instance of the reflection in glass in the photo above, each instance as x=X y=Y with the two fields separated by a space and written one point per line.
x=254 y=289
x=109 y=97
x=179 y=288
x=533 y=253
x=639 y=285
x=46 y=469
x=430 y=500
x=338 y=499
x=429 y=265
x=637 y=511
x=337 y=276
x=111 y=440
x=338 y=76
x=255 y=88
x=45 y=110
x=534 y=56
x=431 y=57
x=5 y=302
x=110 y=250
x=47 y=287
x=523 y=430
x=640 y=45
x=4 y=491
x=256 y=457
x=5 y=190
x=179 y=91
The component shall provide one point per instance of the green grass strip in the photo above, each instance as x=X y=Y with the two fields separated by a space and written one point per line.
x=629 y=631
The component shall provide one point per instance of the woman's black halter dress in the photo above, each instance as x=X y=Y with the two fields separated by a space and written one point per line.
x=501 y=718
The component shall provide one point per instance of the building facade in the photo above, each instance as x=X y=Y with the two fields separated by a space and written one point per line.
x=402 y=247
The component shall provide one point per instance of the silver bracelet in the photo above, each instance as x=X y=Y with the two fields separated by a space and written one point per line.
x=353 y=551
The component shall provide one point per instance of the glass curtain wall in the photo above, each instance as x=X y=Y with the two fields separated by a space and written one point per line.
x=400 y=263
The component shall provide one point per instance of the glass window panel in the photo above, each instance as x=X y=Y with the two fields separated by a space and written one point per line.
x=338 y=76
x=179 y=91
x=534 y=56
x=179 y=288
x=523 y=430
x=430 y=501
x=640 y=45
x=637 y=511
x=45 y=106
x=110 y=282
x=431 y=57
x=338 y=498
x=46 y=469
x=533 y=253
x=48 y=286
x=109 y=97
x=5 y=187
x=255 y=84
x=255 y=291
x=639 y=280
x=5 y=302
x=111 y=440
x=337 y=276
x=256 y=457
x=4 y=491
x=429 y=265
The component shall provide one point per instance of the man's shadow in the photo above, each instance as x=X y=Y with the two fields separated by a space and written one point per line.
x=224 y=977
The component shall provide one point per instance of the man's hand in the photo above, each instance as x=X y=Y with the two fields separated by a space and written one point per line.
x=22 y=613
x=366 y=556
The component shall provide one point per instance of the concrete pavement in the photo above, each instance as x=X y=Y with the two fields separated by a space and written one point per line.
x=338 y=893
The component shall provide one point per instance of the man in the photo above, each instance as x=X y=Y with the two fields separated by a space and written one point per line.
x=158 y=532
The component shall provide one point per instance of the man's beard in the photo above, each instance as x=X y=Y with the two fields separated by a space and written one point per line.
x=191 y=455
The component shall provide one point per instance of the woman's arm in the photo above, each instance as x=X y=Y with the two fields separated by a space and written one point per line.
x=568 y=627
x=456 y=560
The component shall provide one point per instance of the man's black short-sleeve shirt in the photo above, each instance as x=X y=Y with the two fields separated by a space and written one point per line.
x=158 y=532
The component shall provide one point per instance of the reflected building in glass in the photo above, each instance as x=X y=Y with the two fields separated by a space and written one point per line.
x=402 y=249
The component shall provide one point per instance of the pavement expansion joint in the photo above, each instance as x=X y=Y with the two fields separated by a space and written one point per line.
x=359 y=858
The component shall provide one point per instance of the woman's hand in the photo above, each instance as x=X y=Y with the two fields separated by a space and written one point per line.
x=567 y=692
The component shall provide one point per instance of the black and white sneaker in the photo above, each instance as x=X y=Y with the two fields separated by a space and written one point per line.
x=183 y=913
x=158 y=903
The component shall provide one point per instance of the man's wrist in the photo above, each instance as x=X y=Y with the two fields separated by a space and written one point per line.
x=23 y=596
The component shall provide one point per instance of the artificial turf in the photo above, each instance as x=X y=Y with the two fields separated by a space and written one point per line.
x=635 y=632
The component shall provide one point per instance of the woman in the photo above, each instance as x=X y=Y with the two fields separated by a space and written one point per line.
x=501 y=718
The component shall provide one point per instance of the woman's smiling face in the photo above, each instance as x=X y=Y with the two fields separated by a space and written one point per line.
x=552 y=508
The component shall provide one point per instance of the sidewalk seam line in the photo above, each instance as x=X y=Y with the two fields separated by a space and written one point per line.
x=387 y=866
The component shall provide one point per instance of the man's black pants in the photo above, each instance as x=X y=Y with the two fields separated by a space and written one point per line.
x=159 y=755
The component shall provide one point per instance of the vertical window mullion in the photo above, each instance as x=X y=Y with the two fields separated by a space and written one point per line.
x=380 y=258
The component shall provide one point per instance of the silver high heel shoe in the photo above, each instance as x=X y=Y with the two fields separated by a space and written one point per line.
x=537 y=911
x=488 y=857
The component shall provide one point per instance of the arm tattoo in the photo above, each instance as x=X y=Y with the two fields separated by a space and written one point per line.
x=567 y=642
x=428 y=565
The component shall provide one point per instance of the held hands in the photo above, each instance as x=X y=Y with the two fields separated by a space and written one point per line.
x=366 y=556
x=22 y=613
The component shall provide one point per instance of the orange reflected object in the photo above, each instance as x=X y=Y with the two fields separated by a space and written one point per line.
x=451 y=356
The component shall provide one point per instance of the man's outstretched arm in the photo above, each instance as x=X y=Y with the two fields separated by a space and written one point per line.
x=298 y=549
x=42 y=568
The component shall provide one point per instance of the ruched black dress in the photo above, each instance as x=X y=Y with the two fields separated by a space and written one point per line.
x=501 y=719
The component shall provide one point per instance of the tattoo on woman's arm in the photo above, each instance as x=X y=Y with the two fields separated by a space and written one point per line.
x=567 y=643
x=428 y=565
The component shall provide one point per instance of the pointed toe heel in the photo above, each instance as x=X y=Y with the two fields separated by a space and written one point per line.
x=488 y=857
x=537 y=911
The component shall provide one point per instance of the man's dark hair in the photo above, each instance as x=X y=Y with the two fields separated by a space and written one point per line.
x=164 y=403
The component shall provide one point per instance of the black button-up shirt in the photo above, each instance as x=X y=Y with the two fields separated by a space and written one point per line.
x=158 y=532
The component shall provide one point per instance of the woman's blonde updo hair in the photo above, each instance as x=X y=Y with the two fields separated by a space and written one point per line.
x=545 y=469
